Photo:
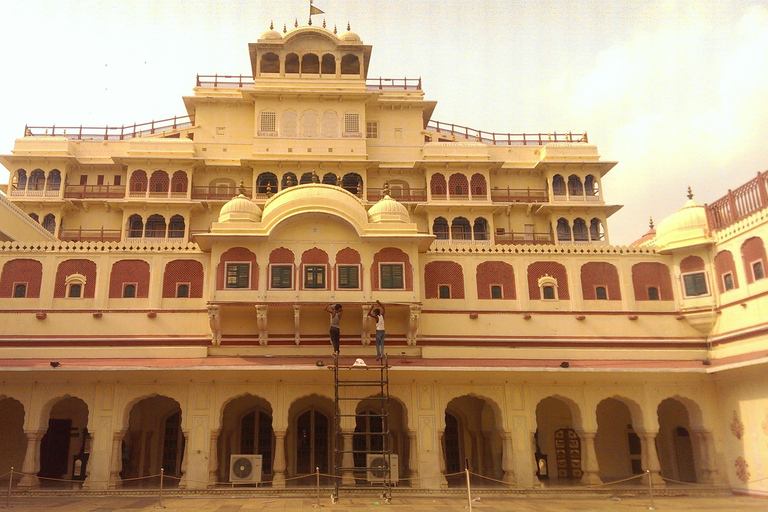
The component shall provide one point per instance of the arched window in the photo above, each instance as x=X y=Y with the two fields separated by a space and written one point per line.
x=129 y=291
x=20 y=180
x=158 y=183
x=563 y=230
x=350 y=65
x=135 y=226
x=179 y=183
x=54 y=180
x=36 y=180
x=479 y=188
x=548 y=288
x=182 y=291
x=437 y=186
x=34 y=217
x=440 y=228
x=155 y=227
x=574 y=186
x=558 y=185
x=75 y=283
x=20 y=291
x=353 y=183
x=49 y=223
x=305 y=178
x=270 y=63
x=580 y=231
x=328 y=64
x=138 y=181
x=310 y=64
x=590 y=186
x=330 y=179
x=460 y=229
x=266 y=183
x=289 y=122
x=291 y=63
x=480 y=229
x=176 y=227
x=458 y=187
x=289 y=180
x=596 y=231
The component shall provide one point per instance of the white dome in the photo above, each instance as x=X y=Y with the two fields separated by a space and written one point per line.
x=350 y=38
x=271 y=35
x=240 y=209
x=688 y=227
x=388 y=210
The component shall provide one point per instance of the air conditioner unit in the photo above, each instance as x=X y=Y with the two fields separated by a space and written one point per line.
x=245 y=469
x=377 y=468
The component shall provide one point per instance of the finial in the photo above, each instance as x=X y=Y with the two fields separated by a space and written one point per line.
x=241 y=188
x=690 y=194
x=650 y=224
x=269 y=190
x=334 y=30
x=338 y=181
x=296 y=23
x=348 y=29
x=285 y=29
x=360 y=188
x=310 y=21
x=315 y=177
x=271 y=25
x=323 y=22
x=385 y=192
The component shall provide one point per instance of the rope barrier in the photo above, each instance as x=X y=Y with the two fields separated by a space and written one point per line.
x=488 y=478
x=595 y=486
x=694 y=484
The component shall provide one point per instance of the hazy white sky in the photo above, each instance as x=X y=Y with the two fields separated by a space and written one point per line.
x=675 y=91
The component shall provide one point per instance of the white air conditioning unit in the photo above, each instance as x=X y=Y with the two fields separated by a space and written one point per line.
x=245 y=469
x=377 y=468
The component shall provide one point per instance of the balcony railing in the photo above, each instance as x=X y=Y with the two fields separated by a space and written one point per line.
x=575 y=196
x=94 y=191
x=35 y=192
x=163 y=194
x=404 y=84
x=524 y=238
x=504 y=139
x=121 y=132
x=241 y=81
x=480 y=238
x=218 y=193
x=519 y=195
x=739 y=203
x=90 y=235
x=414 y=195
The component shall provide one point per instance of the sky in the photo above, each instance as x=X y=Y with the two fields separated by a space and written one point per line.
x=675 y=91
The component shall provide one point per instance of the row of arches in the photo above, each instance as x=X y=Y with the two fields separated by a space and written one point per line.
x=310 y=63
x=151 y=435
x=37 y=183
x=158 y=184
x=458 y=186
x=49 y=221
x=461 y=229
x=156 y=227
x=309 y=123
x=574 y=188
x=76 y=279
x=754 y=265
x=580 y=232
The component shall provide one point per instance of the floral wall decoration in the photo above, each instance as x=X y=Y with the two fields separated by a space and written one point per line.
x=737 y=427
x=742 y=469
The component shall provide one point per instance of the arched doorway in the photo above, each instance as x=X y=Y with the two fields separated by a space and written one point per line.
x=13 y=441
x=63 y=441
x=309 y=438
x=617 y=446
x=377 y=431
x=674 y=442
x=246 y=429
x=558 y=446
x=153 y=440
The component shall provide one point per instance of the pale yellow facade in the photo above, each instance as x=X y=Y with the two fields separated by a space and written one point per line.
x=171 y=296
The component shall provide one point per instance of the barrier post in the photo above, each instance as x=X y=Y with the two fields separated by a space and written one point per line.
x=650 y=488
x=10 y=483
x=160 y=503
x=317 y=484
x=469 y=489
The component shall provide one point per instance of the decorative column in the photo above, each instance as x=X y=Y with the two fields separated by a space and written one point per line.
x=709 y=472
x=116 y=461
x=278 y=465
x=184 y=460
x=589 y=459
x=365 y=337
x=297 y=323
x=261 y=323
x=441 y=459
x=508 y=459
x=413 y=324
x=214 y=319
x=31 y=466
x=477 y=442
x=651 y=458
x=413 y=458
x=347 y=460
x=213 y=459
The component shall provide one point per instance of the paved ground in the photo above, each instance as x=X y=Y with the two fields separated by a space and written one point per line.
x=409 y=504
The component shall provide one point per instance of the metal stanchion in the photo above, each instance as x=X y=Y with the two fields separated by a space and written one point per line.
x=160 y=503
x=8 y=497
x=650 y=488
x=317 y=473
x=469 y=490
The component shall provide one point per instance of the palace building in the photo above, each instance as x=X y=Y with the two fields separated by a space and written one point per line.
x=163 y=290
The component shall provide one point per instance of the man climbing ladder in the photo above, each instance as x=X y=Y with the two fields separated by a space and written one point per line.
x=378 y=316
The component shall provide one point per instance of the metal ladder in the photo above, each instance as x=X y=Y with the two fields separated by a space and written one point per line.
x=372 y=382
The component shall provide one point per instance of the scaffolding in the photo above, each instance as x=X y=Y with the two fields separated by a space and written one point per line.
x=352 y=383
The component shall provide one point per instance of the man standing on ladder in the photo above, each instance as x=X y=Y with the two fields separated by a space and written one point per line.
x=378 y=316
x=335 y=331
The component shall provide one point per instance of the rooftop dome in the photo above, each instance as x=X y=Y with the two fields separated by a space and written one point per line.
x=350 y=37
x=271 y=35
x=686 y=228
x=240 y=209
x=388 y=210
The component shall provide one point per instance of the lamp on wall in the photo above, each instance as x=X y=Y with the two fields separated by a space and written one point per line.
x=55 y=364
x=564 y=364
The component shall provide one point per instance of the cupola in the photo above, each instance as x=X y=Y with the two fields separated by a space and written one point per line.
x=686 y=228
x=388 y=210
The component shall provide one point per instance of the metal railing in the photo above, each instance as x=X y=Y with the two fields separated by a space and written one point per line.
x=94 y=191
x=90 y=235
x=513 y=238
x=413 y=195
x=241 y=81
x=519 y=195
x=739 y=203
x=218 y=193
x=121 y=132
x=503 y=139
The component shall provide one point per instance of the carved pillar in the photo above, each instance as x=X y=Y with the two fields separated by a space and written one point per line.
x=709 y=472
x=184 y=460
x=278 y=465
x=214 y=319
x=116 y=461
x=297 y=323
x=441 y=459
x=589 y=459
x=31 y=466
x=347 y=460
x=413 y=324
x=213 y=459
x=477 y=442
x=261 y=323
x=508 y=459
x=365 y=337
x=651 y=458
x=413 y=458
